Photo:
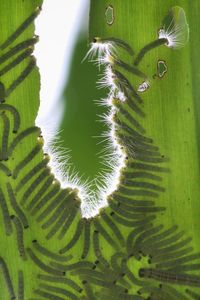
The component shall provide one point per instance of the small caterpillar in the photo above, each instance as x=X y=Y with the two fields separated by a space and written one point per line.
x=58 y=224
x=125 y=86
x=147 y=167
x=134 y=192
x=87 y=272
x=5 y=136
x=7 y=278
x=20 y=236
x=176 y=278
x=145 y=175
x=184 y=268
x=37 y=206
x=22 y=217
x=133 y=234
x=133 y=106
x=19 y=47
x=174 y=247
x=105 y=284
x=178 y=261
x=147 y=48
x=77 y=265
x=124 y=213
x=125 y=66
x=49 y=209
x=162 y=243
x=114 y=261
x=112 y=275
x=143 y=146
x=21 y=136
x=70 y=213
x=41 y=191
x=131 y=276
x=47 y=295
x=20 y=285
x=149 y=159
x=130 y=132
x=22 y=76
x=114 y=228
x=2 y=92
x=143 y=236
x=74 y=239
x=166 y=256
x=60 y=199
x=161 y=236
x=16 y=61
x=105 y=235
x=34 y=185
x=5 y=212
x=59 y=290
x=44 y=251
x=130 y=201
x=143 y=184
x=15 y=113
x=60 y=206
x=68 y=222
x=66 y=281
x=134 y=150
x=5 y=169
x=138 y=98
x=43 y=266
x=19 y=167
x=128 y=223
x=141 y=209
x=133 y=145
x=97 y=250
x=86 y=239
x=129 y=118
x=30 y=174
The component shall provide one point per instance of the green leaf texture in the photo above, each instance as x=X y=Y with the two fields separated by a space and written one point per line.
x=145 y=244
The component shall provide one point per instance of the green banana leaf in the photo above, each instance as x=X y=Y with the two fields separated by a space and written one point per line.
x=145 y=243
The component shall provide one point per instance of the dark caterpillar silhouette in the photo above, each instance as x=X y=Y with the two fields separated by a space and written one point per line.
x=170 y=277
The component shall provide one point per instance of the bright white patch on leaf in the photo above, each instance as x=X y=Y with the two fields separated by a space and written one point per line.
x=108 y=80
x=107 y=59
x=143 y=86
x=99 y=49
x=120 y=95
